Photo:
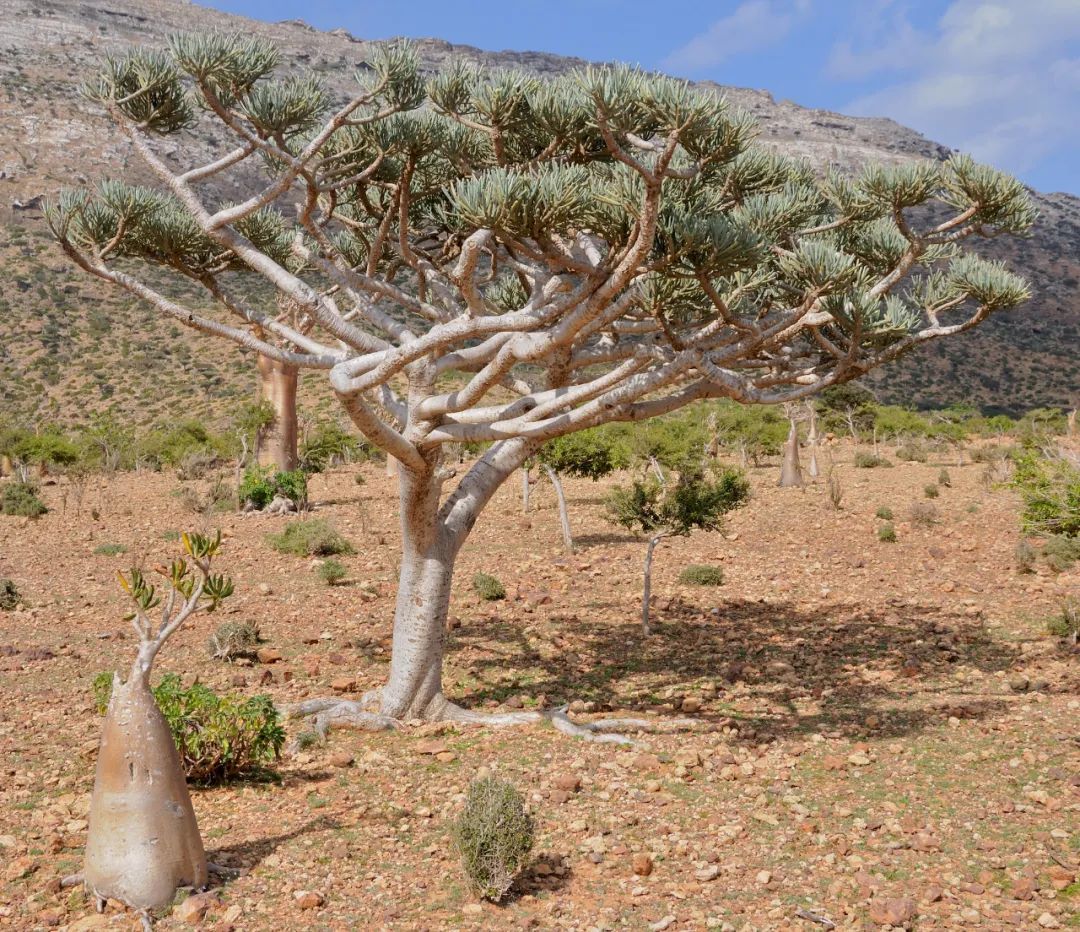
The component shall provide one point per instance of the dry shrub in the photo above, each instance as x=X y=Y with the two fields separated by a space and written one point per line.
x=493 y=837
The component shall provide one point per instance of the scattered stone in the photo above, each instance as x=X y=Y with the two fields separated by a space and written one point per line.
x=690 y=704
x=708 y=873
x=763 y=878
x=1047 y=921
x=1060 y=877
x=643 y=864
x=193 y=910
x=308 y=899
x=268 y=655
x=893 y=912
x=342 y=759
x=569 y=782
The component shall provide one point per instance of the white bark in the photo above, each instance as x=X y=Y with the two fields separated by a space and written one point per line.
x=646 y=587
x=790 y=470
x=564 y=514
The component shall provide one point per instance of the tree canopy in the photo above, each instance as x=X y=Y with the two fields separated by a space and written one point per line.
x=606 y=245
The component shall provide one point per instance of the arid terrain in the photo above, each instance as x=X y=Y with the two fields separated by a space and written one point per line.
x=884 y=733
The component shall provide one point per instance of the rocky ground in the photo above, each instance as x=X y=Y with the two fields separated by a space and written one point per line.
x=887 y=734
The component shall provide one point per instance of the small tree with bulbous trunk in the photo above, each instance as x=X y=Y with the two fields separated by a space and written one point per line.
x=604 y=246
x=143 y=841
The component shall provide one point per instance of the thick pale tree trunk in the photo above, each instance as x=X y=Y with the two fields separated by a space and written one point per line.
x=277 y=446
x=432 y=536
x=1070 y=422
x=143 y=842
x=790 y=470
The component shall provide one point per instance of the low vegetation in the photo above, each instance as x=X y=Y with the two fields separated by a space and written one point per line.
x=493 y=837
x=488 y=587
x=698 y=575
x=20 y=500
x=220 y=738
x=9 y=595
x=313 y=537
x=332 y=572
x=234 y=639
x=260 y=486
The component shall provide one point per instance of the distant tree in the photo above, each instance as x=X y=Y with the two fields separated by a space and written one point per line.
x=694 y=501
x=850 y=405
x=604 y=246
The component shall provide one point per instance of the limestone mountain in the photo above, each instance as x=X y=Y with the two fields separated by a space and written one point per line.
x=60 y=356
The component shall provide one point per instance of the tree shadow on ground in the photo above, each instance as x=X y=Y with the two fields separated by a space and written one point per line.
x=778 y=668
x=597 y=540
x=247 y=854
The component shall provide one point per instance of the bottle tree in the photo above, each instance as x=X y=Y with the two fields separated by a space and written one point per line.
x=605 y=246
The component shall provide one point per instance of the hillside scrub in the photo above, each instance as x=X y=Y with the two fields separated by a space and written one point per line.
x=607 y=246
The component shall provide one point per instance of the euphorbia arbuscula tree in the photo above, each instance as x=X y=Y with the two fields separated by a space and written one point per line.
x=605 y=246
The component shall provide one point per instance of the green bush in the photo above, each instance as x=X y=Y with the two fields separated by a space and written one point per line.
x=234 y=639
x=912 y=452
x=1025 y=557
x=493 y=836
x=590 y=454
x=219 y=738
x=887 y=533
x=109 y=550
x=923 y=514
x=172 y=444
x=328 y=445
x=865 y=460
x=943 y=479
x=9 y=595
x=931 y=491
x=311 y=538
x=885 y=513
x=1067 y=624
x=1050 y=489
x=488 y=587
x=19 y=499
x=260 y=486
x=1061 y=552
x=698 y=575
x=332 y=572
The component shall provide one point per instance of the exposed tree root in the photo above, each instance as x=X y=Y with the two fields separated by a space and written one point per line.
x=72 y=880
x=325 y=714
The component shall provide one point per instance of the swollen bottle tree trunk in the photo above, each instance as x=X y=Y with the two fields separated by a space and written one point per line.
x=143 y=841
x=277 y=381
x=790 y=470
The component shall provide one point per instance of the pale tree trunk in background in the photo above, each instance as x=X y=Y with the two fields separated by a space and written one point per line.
x=790 y=470
x=812 y=440
x=564 y=516
x=278 y=441
x=525 y=489
x=646 y=589
x=1070 y=423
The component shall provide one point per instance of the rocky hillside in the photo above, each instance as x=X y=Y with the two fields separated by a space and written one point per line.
x=68 y=346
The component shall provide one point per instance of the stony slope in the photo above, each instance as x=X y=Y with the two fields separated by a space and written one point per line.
x=60 y=354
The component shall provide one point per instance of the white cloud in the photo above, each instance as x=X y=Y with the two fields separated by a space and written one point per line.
x=997 y=78
x=753 y=25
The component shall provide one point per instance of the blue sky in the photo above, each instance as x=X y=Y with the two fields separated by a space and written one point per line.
x=997 y=78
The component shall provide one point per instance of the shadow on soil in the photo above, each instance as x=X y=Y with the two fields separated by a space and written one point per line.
x=841 y=663
x=247 y=854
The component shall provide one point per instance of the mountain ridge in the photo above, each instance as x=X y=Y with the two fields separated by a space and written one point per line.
x=61 y=353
